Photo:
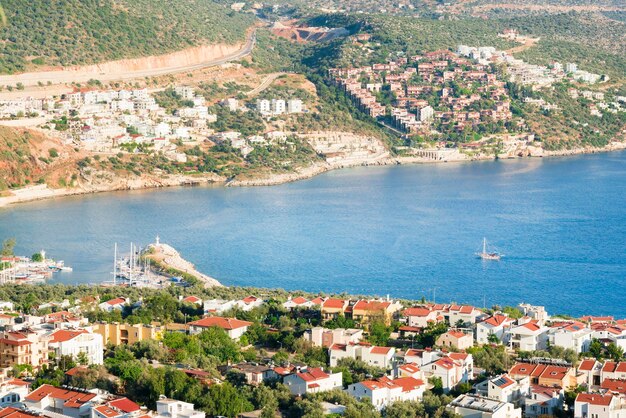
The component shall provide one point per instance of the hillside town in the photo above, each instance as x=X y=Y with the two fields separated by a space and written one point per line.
x=131 y=121
x=553 y=366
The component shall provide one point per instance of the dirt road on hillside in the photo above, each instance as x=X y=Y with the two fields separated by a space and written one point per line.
x=187 y=60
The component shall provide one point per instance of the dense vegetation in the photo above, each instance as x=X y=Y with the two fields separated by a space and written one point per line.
x=69 y=32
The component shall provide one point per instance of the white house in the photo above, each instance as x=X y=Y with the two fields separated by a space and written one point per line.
x=456 y=339
x=474 y=406
x=528 y=337
x=13 y=391
x=496 y=325
x=504 y=388
x=171 y=408
x=312 y=380
x=235 y=328
x=47 y=398
x=323 y=337
x=113 y=304
x=462 y=313
x=420 y=316
x=454 y=369
x=594 y=405
x=574 y=335
x=375 y=356
x=67 y=342
x=543 y=400
x=384 y=391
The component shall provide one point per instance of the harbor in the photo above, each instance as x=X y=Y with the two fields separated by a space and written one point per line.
x=30 y=270
x=155 y=266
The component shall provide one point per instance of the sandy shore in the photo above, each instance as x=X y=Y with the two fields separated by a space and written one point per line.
x=41 y=192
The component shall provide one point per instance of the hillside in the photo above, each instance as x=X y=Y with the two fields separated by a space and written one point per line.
x=28 y=158
x=71 y=32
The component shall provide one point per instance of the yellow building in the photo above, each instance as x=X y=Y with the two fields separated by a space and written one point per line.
x=366 y=311
x=126 y=333
x=23 y=347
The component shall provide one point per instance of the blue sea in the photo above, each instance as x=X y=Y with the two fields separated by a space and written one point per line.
x=406 y=231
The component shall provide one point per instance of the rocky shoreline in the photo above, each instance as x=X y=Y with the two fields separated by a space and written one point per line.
x=41 y=192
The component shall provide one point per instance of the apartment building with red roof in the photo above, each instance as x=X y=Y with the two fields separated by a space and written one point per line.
x=383 y=391
x=545 y=374
x=543 y=401
x=455 y=339
x=572 y=334
x=495 y=326
x=421 y=316
x=589 y=372
x=366 y=311
x=73 y=342
x=235 y=328
x=595 y=405
x=324 y=337
x=613 y=370
x=312 y=380
x=12 y=412
x=333 y=308
x=72 y=403
x=375 y=356
x=529 y=336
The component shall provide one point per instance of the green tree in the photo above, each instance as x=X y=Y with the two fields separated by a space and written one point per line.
x=379 y=333
x=615 y=352
x=8 y=246
x=37 y=257
x=226 y=400
x=82 y=358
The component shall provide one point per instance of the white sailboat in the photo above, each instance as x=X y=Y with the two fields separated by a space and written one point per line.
x=488 y=255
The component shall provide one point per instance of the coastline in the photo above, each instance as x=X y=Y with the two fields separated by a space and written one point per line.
x=43 y=192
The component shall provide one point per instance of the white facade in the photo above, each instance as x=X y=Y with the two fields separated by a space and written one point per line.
x=473 y=406
x=71 y=343
x=313 y=381
x=171 y=408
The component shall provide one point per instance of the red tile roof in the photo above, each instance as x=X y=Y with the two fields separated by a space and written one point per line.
x=192 y=299
x=609 y=366
x=220 y=322
x=333 y=303
x=456 y=334
x=497 y=320
x=381 y=350
x=11 y=412
x=313 y=374
x=73 y=399
x=421 y=312
x=116 y=301
x=503 y=381
x=408 y=384
x=64 y=335
x=594 y=399
x=614 y=385
x=371 y=306
x=250 y=299
x=299 y=300
x=587 y=365
x=125 y=405
x=107 y=411
x=410 y=368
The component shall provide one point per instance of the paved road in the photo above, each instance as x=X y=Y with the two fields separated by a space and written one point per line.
x=82 y=75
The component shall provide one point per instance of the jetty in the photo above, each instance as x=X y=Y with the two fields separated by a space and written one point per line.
x=169 y=261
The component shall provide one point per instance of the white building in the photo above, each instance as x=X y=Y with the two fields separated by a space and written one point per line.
x=570 y=67
x=574 y=335
x=474 y=406
x=278 y=106
x=312 y=380
x=235 y=328
x=49 y=399
x=594 y=405
x=13 y=391
x=113 y=304
x=426 y=113
x=185 y=92
x=528 y=337
x=171 y=408
x=67 y=342
x=263 y=106
x=384 y=391
x=421 y=317
x=496 y=325
x=322 y=337
x=294 y=106
x=374 y=356
x=543 y=400
x=504 y=388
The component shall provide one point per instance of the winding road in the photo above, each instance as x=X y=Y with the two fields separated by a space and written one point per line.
x=99 y=72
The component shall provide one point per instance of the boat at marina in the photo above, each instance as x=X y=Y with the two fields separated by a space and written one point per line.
x=485 y=254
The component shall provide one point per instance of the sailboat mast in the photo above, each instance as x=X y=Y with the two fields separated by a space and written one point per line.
x=484 y=245
x=115 y=264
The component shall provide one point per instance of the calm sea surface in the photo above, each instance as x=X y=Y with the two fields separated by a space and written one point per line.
x=407 y=231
